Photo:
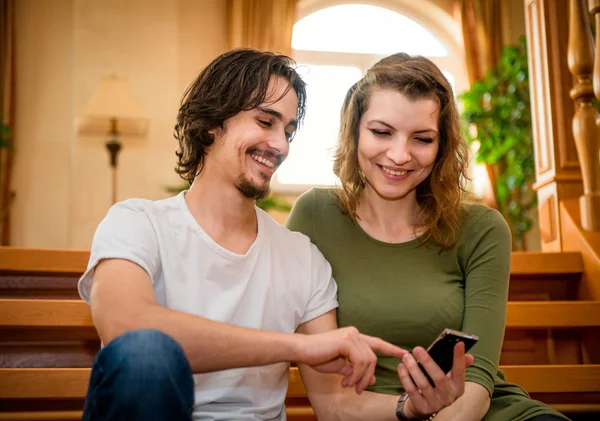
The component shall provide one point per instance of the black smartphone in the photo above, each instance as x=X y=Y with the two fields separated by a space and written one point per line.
x=442 y=349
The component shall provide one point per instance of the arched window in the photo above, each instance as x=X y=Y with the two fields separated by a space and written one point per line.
x=334 y=46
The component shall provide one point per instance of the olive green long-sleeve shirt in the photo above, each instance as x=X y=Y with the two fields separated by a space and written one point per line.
x=408 y=293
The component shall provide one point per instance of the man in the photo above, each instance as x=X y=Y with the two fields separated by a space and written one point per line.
x=205 y=283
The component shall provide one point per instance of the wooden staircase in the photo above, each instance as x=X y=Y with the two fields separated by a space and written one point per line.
x=48 y=342
x=551 y=334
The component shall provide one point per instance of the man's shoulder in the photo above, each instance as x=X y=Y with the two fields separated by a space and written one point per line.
x=140 y=206
x=278 y=232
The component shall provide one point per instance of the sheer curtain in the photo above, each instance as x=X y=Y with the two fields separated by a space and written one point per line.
x=261 y=24
x=481 y=22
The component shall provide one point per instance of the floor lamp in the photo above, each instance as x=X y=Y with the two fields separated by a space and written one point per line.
x=113 y=111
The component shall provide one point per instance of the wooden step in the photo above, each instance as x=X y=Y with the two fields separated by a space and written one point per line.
x=55 y=261
x=581 y=378
x=33 y=383
x=27 y=260
x=41 y=416
x=291 y=410
x=538 y=263
x=76 y=313
x=51 y=383
x=578 y=378
x=553 y=314
x=44 y=313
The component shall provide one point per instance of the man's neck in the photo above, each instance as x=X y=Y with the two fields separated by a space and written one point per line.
x=223 y=212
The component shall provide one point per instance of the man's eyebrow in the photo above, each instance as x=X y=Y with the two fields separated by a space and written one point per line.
x=277 y=115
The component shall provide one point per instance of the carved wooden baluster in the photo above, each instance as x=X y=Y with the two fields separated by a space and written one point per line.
x=594 y=6
x=585 y=131
x=595 y=12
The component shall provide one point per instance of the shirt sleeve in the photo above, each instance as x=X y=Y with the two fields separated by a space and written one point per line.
x=324 y=288
x=487 y=272
x=125 y=233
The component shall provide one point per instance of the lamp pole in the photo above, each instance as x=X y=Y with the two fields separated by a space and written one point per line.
x=114 y=147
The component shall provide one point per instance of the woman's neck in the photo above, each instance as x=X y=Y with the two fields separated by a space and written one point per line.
x=390 y=221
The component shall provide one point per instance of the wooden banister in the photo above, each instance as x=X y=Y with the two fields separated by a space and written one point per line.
x=595 y=12
x=585 y=131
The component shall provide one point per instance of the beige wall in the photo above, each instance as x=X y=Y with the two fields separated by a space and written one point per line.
x=64 y=48
x=43 y=125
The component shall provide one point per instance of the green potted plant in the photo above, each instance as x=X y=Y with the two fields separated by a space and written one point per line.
x=496 y=114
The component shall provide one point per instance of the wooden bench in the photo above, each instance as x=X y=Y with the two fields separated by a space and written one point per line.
x=47 y=338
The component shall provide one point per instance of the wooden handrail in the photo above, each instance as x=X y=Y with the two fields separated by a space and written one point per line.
x=585 y=131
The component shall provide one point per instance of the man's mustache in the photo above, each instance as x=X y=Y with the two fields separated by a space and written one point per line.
x=278 y=158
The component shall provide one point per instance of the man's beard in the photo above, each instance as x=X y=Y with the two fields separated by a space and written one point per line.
x=251 y=190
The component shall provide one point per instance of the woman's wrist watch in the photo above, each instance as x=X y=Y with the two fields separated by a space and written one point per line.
x=401 y=415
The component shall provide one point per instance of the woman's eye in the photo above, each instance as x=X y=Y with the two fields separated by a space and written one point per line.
x=425 y=139
x=264 y=123
x=380 y=133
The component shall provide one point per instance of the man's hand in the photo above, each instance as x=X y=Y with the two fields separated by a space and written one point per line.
x=347 y=352
x=424 y=399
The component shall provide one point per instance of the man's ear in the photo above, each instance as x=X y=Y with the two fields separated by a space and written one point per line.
x=216 y=131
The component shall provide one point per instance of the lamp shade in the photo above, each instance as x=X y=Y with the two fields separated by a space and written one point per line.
x=112 y=100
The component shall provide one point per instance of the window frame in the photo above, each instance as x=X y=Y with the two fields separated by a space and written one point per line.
x=429 y=15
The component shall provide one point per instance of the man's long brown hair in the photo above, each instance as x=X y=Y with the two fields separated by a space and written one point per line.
x=439 y=195
x=235 y=81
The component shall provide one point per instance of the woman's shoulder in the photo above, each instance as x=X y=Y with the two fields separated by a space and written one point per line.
x=480 y=220
x=317 y=198
x=311 y=210
x=477 y=214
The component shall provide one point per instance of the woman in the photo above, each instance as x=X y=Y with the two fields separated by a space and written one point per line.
x=410 y=258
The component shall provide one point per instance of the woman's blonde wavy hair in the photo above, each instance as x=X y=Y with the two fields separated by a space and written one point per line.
x=440 y=195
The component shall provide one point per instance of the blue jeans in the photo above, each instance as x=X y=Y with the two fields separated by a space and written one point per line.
x=141 y=375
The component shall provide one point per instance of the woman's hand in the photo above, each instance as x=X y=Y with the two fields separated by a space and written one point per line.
x=423 y=398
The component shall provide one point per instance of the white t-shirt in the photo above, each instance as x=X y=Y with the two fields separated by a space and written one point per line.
x=280 y=283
